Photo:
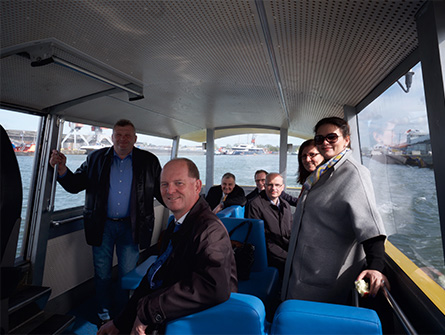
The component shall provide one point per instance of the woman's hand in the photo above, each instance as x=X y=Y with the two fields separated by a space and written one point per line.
x=376 y=281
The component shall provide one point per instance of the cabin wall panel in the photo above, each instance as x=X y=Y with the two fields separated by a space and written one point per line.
x=69 y=259
x=69 y=262
x=161 y=219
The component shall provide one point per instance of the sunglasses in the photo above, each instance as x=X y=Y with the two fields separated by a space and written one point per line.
x=331 y=138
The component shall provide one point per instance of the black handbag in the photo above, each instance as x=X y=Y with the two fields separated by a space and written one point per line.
x=244 y=253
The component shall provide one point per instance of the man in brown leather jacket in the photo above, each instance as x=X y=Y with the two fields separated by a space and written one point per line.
x=196 y=268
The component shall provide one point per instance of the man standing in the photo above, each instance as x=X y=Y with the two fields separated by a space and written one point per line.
x=196 y=268
x=260 y=181
x=270 y=207
x=226 y=195
x=120 y=184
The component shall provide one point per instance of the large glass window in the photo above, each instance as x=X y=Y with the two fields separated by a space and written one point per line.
x=22 y=131
x=396 y=148
x=77 y=140
x=242 y=155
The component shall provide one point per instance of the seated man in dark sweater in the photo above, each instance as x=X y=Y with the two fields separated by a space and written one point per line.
x=225 y=195
x=270 y=207
x=196 y=268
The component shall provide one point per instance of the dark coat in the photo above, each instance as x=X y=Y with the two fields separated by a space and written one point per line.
x=94 y=177
x=11 y=195
x=200 y=273
x=277 y=227
x=236 y=197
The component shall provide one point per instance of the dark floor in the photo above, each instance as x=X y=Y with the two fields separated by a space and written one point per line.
x=86 y=319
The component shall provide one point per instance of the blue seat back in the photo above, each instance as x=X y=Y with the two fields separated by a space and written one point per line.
x=241 y=314
x=235 y=211
x=256 y=237
x=132 y=279
x=308 y=317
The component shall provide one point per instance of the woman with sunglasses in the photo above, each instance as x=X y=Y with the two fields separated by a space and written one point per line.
x=337 y=234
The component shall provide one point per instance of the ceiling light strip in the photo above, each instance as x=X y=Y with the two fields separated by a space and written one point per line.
x=268 y=38
x=95 y=76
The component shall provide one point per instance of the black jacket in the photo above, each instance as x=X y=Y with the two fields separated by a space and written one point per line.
x=277 y=227
x=94 y=177
x=236 y=197
x=199 y=273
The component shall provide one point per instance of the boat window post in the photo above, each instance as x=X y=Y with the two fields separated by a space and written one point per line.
x=283 y=152
x=175 y=147
x=350 y=115
x=210 y=158
x=58 y=123
x=40 y=220
x=431 y=35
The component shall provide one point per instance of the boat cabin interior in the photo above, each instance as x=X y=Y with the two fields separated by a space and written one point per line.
x=201 y=71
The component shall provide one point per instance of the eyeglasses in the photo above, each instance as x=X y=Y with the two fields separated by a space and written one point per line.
x=331 y=138
x=310 y=155
x=274 y=185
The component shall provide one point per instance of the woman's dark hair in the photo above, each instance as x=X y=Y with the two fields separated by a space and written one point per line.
x=336 y=121
x=302 y=172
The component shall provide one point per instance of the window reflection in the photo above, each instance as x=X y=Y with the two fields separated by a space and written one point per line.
x=396 y=148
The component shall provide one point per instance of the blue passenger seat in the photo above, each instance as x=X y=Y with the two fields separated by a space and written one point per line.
x=241 y=314
x=235 y=211
x=132 y=279
x=308 y=317
x=245 y=314
x=264 y=280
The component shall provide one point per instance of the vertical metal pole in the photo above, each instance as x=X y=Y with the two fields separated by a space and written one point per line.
x=175 y=147
x=431 y=34
x=283 y=153
x=350 y=114
x=210 y=158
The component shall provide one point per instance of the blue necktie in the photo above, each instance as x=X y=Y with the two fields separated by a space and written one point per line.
x=154 y=284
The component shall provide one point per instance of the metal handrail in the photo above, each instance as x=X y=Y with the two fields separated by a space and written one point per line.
x=57 y=223
x=395 y=307
x=399 y=313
